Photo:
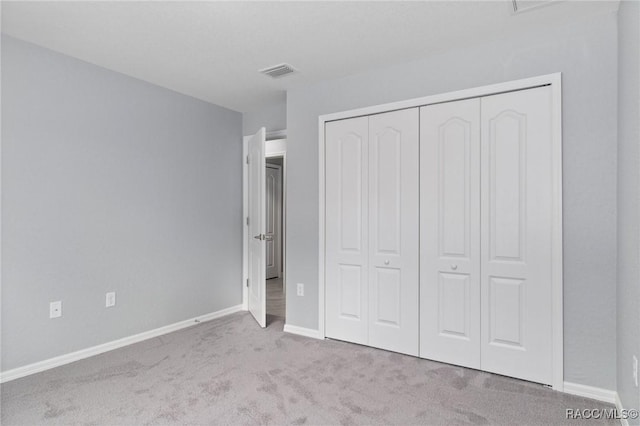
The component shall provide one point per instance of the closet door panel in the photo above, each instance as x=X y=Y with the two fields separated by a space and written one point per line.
x=450 y=232
x=347 y=247
x=393 y=231
x=516 y=234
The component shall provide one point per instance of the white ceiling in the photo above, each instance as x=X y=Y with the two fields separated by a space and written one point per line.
x=212 y=50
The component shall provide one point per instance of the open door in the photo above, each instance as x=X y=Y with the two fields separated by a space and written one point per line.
x=257 y=247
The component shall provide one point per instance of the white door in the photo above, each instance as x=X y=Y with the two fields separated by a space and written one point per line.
x=516 y=234
x=257 y=284
x=346 y=218
x=393 y=231
x=273 y=179
x=450 y=232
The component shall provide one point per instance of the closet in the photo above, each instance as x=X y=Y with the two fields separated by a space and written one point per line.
x=441 y=232
x=485 y=233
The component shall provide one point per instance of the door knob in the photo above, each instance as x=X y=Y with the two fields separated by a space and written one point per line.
x=386 y=262
x=454 y=267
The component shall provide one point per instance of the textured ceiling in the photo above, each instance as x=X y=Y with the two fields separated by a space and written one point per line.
x=213 y=50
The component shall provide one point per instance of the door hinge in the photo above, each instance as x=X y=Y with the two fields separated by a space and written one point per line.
x=247 y=159
x=247 y=282
x=247 y=220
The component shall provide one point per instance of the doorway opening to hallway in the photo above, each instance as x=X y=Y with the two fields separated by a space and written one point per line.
x=274 y=218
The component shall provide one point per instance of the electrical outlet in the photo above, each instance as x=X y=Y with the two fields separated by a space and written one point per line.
x=635 y=370
x=55 y=309
x=300 y=289
x=110 y=299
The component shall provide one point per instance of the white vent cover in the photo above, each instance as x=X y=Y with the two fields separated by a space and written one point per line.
x=277 y=70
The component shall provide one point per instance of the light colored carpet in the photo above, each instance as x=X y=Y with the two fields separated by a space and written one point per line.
x=229 y=371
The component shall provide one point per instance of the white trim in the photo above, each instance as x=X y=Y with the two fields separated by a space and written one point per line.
x=557 y=280
x=604 y=395
x=245 y=228
x=275 y=147
x=493 y=89
x=620 y=410
x=279 y=256
x=283 y=155
x=276 y=154
x=555 y=81
x=301 y=331
x=321 y=230
x=284 y=230
x=50 y=363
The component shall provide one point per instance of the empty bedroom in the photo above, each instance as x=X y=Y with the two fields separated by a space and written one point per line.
x=320 y=212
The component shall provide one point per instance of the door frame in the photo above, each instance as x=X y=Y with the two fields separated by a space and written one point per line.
x=553 y=80
x=280 y=252
x=273 y=148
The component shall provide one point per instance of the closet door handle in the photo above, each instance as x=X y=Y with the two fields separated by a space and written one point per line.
x=386 y=262
x=454 y=267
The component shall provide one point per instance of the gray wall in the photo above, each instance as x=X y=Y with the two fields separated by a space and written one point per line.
x=273 y=117
x=628 y=333
x=585 y=51
x=110 y=184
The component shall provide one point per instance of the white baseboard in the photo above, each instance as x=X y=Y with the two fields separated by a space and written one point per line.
x=47 y=364
x=604 y=395
x=301 y=331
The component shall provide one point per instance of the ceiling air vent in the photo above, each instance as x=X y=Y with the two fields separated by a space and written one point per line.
x=278 y=70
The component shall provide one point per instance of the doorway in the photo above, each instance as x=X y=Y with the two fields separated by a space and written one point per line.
x=264 y=236
x=274 y=218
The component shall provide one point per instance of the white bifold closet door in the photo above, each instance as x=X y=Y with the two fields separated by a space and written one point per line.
x=347 y=230
x=393 y=231
x=486 y=233
x=450 y=232
x=372 y=197
x=516 y=227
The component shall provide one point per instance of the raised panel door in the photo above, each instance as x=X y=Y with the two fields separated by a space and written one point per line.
x=273 y=231
x=450 y=232
x=346 y=216
x=393 y=226
x=257 y=298
x=516 y=228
